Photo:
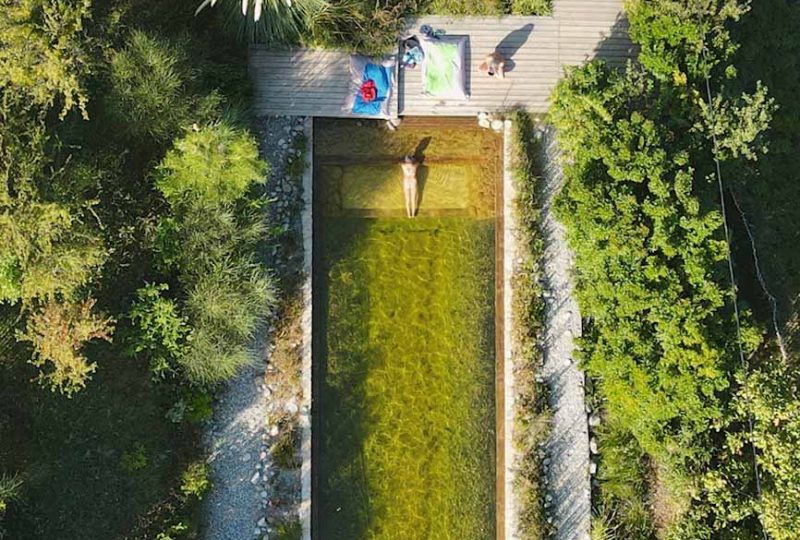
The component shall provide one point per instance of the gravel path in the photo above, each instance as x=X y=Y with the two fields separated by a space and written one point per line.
x=569 y=493
x=250 y=494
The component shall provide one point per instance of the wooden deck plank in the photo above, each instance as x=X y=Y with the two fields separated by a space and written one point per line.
x=316 y=82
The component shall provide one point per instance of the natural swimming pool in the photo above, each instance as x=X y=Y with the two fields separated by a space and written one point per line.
x=404 y=332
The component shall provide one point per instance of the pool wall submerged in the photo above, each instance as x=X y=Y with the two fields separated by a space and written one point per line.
x=306 y=378
x=310 y=513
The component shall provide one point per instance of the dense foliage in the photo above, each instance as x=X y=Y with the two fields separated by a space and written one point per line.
x=355 y=25
x=768 y=191
x=130 y=197
x=642 y=209
x=211 y=240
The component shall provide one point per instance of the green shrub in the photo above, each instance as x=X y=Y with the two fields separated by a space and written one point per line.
x=212 y=165
x=211 y=239
x=231 y=300
x=135 y=459
x=290 y=530
x=211 y=359
x=531 y=7
x=159 y=330
x=195 y=481
x=199 y=404
x=361 y=25
x=284 y=452
x=227 y=300
x=468 y=7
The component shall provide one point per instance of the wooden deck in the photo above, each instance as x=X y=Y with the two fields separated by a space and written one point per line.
x=307 y=82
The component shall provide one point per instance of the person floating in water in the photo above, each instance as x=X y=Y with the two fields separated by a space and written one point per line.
x=494 y=65
x=409 y=165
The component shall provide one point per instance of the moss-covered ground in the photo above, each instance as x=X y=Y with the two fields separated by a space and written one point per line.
x=404 y=352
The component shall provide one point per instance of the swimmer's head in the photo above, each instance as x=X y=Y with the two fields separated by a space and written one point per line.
x=409 y=165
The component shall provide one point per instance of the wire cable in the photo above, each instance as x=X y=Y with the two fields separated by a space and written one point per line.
x=732 y=276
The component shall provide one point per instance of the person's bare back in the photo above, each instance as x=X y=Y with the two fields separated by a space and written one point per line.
x=409 y=166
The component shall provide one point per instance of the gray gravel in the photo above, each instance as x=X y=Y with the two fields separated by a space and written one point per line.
x=243 y=502
x=569 y=492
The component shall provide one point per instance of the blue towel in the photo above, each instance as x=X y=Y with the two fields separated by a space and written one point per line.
x=382 y=77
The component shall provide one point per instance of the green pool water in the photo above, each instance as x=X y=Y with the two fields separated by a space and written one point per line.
x=404 y=350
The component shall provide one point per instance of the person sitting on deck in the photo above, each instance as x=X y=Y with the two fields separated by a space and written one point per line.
x=409 y=165
x=494 y=65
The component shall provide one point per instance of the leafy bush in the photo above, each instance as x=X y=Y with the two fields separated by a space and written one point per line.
x=134 y=460
x=199 y=404
x=284 y=452
x=174 y=531
x=771 y=394
x=290 y=530
x=58 y=332
x=160 y=331
x=672 y=35
x=195 y=480
x=531 y=7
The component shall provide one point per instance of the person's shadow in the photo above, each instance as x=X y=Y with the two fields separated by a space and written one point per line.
x=510 y=44
x=422 y=169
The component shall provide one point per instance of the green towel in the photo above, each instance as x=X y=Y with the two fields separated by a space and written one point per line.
x=441 y=73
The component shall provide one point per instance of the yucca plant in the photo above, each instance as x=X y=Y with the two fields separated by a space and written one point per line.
x=10 y=485
x=273 y=21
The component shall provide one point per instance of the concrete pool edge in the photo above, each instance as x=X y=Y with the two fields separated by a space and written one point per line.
x=507 y=462
x=306 y=218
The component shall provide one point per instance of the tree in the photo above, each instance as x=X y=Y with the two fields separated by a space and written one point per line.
x=43 y=51
x=47 y=249
x=214 y=165
x=771 y=396
x=685 y=37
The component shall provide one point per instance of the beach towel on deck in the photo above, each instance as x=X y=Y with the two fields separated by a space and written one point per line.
x=371 y=87
x=443 y=70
